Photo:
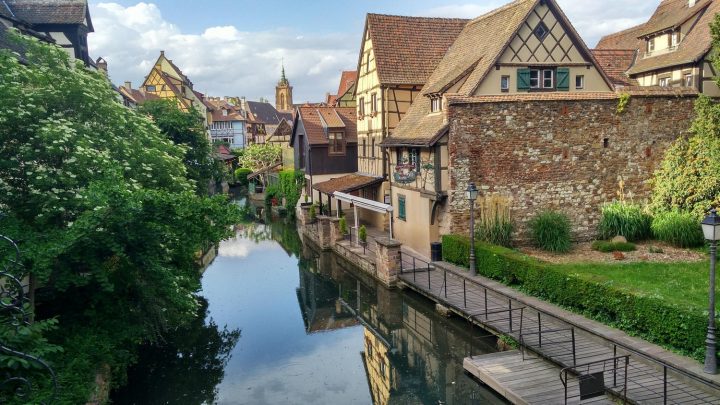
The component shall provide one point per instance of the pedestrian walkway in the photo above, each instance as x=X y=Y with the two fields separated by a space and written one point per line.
x=564 y=339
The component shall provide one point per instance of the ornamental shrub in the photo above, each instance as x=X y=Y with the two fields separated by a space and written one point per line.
x=362 y=233
x=551 y=231
x=681 y=229
x=497 y=233
x=313 y=212
x=609 y=246
x=241 y=176
x=624 y=219
x=343 y=226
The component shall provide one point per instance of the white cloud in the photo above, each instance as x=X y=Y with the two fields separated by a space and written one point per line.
x=221 y=60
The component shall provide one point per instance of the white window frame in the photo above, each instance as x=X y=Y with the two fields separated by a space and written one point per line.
x=688 y=79
x=536 y=79
x=436 y=104
x=664 y=82
x=580 y=82
x=545 y=78
x=505 y=83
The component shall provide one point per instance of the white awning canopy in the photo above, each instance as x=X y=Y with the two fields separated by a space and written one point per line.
x=364 y=203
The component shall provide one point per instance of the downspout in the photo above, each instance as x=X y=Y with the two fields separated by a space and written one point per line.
x=386 y=158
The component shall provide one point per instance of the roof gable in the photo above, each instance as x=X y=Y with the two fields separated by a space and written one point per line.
x=62 y=12
x=670 y=14
x=314 y=121
x=407 y=49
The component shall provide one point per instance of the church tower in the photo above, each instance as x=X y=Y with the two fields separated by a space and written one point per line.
x=283 y=94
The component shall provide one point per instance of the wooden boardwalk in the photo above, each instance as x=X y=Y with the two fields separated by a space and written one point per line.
x=563 y=344
x=530 y=381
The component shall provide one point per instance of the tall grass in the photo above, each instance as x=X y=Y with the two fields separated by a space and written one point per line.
x=494 y=224
x=551 y=231
x=621 y=218
x=681 y=229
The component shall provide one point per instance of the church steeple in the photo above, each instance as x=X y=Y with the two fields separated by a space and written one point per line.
x=283 y=92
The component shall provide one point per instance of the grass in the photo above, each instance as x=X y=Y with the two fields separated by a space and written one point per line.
x=684 y=284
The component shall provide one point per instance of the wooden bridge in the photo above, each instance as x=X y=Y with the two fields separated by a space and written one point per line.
x=563 y=350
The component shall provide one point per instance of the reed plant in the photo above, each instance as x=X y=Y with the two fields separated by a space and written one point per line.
x=622 y=218
x=494 y=224
x=551 y=231
x=678 y=228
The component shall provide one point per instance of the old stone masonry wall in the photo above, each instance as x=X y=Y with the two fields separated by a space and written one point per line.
x=562 y=155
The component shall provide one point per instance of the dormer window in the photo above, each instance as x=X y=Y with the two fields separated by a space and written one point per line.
x=651 y=45
x=435 y=104
x=336 y=142
x=674 y=39
x=224 y=113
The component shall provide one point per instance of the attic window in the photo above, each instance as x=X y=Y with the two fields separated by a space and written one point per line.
x=541 y=31
x=435 y=104
x=150 y=88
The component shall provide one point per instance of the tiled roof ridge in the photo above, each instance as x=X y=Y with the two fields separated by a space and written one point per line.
x=623 y=32
x=497 y=11
x=652 y=91
x=407 y=17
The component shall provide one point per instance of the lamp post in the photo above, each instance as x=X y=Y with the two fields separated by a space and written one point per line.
x=711 y=230
x=471 y=194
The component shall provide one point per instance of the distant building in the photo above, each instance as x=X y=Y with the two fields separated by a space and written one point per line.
x=64 y=23
x=672 y=49
x=228 y=123
x=262 y=119
x=283 y=94
x=345 y=96
x=281 y=137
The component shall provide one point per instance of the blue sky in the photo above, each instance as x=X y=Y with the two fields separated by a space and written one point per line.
x=235 y=48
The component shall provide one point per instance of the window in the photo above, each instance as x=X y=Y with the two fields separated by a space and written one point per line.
x=367 y=62
x=372 y=151
x=674 y=39
x=373 y=103
x=224 y=113
x=534 y=79
x=579 y=82
x=364 y=148
x=361 y=107
x=505 y=83
x=150 y=88
x=336 y=141
x=414 y=158
x=651 y=45
x=664 y=82
x=548 y=82
x=435 y=104
x=689 y=80
x=401 y=207
x=541 y=31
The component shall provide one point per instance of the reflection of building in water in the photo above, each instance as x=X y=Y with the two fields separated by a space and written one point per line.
x=410 y=353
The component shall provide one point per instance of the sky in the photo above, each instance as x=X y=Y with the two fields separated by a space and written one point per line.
x=237 y=47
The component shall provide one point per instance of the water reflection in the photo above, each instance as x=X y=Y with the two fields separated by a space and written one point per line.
x=410 y=354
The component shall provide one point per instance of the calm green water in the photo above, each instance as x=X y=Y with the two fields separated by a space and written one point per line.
x=300 y=328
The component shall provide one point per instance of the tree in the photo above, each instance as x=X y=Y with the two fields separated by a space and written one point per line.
x=99 y=201
x=261 y=157
x=186 y=128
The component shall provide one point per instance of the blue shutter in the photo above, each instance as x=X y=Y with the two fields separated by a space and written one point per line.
x=563 y=79
x=523 y=79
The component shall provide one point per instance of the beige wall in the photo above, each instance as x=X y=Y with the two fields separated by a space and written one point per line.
x=491 y=85
x=415 y=230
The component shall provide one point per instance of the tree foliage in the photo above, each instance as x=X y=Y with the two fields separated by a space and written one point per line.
x=185 y=128
x=102 y=205
x=259 y=157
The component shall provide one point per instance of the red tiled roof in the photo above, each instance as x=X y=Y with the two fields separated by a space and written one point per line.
x=615 y=62
x=72 y=12
x=407 y=49
x=671 y=14
x=346 y=184
x=316 y=131
x=137 y=96
x=625 y=39
x=347 y=79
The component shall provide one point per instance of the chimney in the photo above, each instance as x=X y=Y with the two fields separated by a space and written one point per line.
x=128 y=85
x=691 y=3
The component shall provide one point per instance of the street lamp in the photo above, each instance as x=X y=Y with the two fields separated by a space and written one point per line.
x=471 y=194
x=711 y=229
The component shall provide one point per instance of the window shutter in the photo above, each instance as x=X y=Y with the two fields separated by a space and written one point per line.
x=563 y=79
x=523 y=79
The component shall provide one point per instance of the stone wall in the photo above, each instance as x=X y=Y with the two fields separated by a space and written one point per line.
x=562 y=155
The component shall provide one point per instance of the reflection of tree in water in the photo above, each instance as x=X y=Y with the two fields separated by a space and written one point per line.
x=186 y=369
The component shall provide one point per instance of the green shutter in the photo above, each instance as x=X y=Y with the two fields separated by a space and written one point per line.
x=401 y=207
x=523 y=79
x=563 y=79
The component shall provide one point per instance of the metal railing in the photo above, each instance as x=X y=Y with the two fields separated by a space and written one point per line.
x=662 y=390
x=592 y=384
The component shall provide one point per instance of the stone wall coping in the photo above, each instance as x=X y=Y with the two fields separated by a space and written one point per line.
x=387 y=242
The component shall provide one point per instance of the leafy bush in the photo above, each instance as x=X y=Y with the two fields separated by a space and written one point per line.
x=624 y=219
x=312 y=212
x=609 y=246
x=681 y=229
x=497 y=233
x=645 y=315
x=272 y=191
x=362 y=234
x=343 y=226
x=551 y=231
x=241 y=176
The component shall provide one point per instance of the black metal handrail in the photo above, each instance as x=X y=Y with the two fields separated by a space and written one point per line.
x=590 y=393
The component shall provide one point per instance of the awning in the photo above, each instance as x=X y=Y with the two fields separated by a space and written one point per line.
x=367 y=204
x=346 y=184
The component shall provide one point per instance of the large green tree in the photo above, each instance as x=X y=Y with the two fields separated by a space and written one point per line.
x=185 y=128
x=102 y=205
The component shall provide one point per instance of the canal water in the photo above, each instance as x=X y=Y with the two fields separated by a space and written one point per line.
x=282 y=323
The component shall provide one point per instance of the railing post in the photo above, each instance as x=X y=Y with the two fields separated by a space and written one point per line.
x=664 y=384
x=539 y=331
x=464 y=294
x=486 y=308
x=615 y=365
x=572 y=332
x=428 y=272
x=625 y=393
x=522 y=311
x=445 y=281
x=510 y=312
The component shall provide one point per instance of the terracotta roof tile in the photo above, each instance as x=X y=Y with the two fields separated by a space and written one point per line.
x=633 y=91
x=615 y=62
x=407 y=49
x=347 y=79
x=346 y=184
x=625 y=39
x=315 y=129
x=137 y=96
x=670 y=14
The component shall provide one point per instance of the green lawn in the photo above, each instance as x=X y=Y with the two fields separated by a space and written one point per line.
x=684 y=284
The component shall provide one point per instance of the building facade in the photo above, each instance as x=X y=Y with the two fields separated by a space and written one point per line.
x=283 y=94
x=673 y=48
x=228 y=123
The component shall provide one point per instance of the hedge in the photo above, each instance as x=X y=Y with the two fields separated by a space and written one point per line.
x=679 y=328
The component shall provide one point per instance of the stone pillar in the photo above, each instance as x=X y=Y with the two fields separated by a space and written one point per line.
x=387 y=260
x=303 y=215
x=335 y=234
x=324 y=232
